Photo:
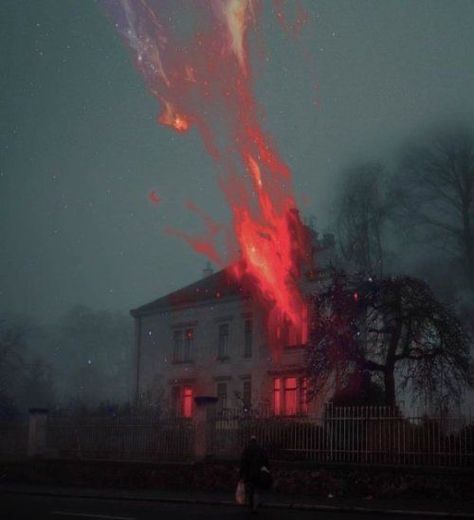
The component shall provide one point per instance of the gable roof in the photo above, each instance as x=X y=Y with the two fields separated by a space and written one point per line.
x=220 y=285
x=224 y=285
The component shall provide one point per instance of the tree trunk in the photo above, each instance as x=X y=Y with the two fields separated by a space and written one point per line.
x=389 y=381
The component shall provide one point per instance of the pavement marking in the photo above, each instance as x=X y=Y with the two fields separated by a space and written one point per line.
x=92 y=515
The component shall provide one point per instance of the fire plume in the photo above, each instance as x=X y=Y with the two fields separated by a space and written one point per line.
x=205 y=81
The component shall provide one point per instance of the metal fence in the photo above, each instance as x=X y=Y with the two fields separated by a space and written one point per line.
x=357 y=435
x=349 y=435
x=131 y=438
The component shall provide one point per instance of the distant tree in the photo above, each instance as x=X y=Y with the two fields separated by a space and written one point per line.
x=359 y=390
x=393 y=329
x=13 y=340
x=39 y=390
x=94 y=353
x=362 y=211
x=436 y=187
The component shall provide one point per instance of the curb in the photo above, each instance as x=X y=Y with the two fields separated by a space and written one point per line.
x=264 y=505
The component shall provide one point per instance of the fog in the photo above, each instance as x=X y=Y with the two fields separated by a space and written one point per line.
x=80 y=150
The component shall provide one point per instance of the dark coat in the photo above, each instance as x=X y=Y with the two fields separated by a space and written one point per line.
x=251 y=462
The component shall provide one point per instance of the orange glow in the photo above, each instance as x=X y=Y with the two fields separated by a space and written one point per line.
x=171 y=118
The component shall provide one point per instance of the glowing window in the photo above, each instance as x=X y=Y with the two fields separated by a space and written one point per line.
x=277 y=396
x=297 y=336
x=290 y=396
x=187 y=401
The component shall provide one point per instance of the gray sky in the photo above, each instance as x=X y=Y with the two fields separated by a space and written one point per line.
x=80 y=149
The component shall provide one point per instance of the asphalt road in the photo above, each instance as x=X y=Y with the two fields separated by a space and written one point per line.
x=19 y=507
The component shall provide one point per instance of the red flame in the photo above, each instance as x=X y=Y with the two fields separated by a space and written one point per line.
x=170 y=117
x=207 y=80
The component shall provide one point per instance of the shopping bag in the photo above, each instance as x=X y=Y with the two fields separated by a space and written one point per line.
x=265 y=478
x=240 y=493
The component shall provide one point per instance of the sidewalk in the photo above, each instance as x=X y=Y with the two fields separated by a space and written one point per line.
x=426 y=508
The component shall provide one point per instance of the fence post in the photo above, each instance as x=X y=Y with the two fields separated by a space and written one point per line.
x=204 y=417
x=37 y=432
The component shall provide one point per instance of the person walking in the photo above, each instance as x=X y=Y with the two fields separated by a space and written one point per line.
x=252 y=461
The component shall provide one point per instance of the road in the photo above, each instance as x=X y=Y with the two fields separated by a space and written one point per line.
x=28 y=507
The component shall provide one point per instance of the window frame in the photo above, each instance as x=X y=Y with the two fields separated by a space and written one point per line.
x=182 y=397
x=248 y=338
x=223 y=341
x=222 y=402
x=280 y=395
x=183 y=344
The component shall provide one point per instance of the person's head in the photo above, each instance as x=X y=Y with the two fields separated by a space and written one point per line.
x=253 y=440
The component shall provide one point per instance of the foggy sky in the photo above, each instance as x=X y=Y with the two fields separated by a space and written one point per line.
x=80 y=149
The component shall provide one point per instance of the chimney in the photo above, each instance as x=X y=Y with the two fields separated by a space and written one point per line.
x=207 y=271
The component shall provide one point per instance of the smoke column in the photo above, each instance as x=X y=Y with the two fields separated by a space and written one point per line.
x=201 y=77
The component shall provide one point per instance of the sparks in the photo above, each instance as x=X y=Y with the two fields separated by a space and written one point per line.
x=205 y=81
x=153 y=197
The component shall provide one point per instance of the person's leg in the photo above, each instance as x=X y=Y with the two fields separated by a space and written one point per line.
x=256 y=500
x=249 y=492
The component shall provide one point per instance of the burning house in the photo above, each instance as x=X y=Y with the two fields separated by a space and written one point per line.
x=238 y=334
x=211 y=338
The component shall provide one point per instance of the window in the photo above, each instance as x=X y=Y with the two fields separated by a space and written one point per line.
x=183 y=343
x=176 y=400
x=296 y=336
x=222 y=395
x=277 y=396
x=187 y=401
x=182 y=400
x=188 y=344
x=247 y=394
x=177 y=345
x=304 y=395
x=223 y=345
x=290 y=396
x=248 y=337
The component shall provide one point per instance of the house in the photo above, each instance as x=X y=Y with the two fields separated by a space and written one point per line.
x=208 y=339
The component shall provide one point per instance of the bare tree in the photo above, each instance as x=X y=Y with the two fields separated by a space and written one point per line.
x=13 y=339
x=393 y=329
x=94 y=355
x=436 y=186
x=362 y=211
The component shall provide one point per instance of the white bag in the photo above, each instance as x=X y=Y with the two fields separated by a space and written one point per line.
x=240 y=493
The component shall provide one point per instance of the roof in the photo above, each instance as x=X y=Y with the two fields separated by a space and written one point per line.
x=220 y=285
x=224 y=284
